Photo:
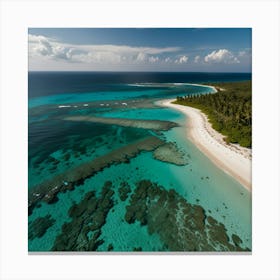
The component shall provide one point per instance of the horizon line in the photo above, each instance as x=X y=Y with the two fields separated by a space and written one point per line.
x=105 y=71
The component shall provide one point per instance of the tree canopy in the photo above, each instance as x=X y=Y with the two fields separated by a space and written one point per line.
x=229 y=110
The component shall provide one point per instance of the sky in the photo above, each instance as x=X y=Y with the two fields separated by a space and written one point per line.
x=140 y=49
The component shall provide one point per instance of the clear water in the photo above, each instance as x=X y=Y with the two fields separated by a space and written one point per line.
x=199 y=182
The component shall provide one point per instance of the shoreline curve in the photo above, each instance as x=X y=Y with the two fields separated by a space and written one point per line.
x=231 y=158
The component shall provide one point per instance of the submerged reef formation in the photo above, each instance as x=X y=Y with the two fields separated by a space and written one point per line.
x=39 y=226
x=48 y=190
x=92 y=107
x=88 y=218
x=181 y=226
x=124 y=191
x=146 y=124
x=170 y=153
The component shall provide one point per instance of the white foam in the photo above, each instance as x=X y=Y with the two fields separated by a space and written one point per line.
x=64 y=106
x=85 y=105
x=138 y=85
x=124 y=104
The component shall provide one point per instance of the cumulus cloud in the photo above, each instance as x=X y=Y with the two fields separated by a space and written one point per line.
x=153 y=59
x=168 y=60
x=39 y=45
x=182 y=59
x=48 y=48
x=141 y=57
x=221 y=56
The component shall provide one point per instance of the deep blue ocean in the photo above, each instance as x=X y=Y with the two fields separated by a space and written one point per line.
x=100 y=167
x=47 y=83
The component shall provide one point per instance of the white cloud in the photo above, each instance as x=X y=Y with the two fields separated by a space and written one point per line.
x=141 y=57
x=221 y=56
x=39 y=45
x=246 y=53
x=50 y=49
x=182 y=59
x=241 y=53
x=153 y=59
x=168 y=60
x=197 y=59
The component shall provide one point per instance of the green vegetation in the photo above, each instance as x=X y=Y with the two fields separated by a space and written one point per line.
x=229 y=110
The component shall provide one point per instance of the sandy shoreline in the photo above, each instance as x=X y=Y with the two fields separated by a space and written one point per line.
x=233 y=159
x=200 y=85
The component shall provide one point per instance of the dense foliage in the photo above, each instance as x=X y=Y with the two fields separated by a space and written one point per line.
x=229 y=110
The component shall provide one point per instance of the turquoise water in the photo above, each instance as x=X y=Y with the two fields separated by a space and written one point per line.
x=56 y=146
x=131 y=92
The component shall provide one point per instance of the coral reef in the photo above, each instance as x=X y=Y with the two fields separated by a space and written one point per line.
x=146 y=124
x=48 y=190
x=39 y=226
x=181 y=226
x=88 y=218
x=124 y=191
x=170 y=153
x=236 y=240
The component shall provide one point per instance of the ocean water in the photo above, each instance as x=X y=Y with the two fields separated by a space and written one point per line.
x=58 y=147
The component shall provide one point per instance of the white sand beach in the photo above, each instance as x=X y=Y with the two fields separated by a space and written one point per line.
x=207 y=86
x=233 y=159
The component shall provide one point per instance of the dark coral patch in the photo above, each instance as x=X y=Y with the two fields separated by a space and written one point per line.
x=39 y=226
x=124 y=191
x=181 y=226
x=88 y=217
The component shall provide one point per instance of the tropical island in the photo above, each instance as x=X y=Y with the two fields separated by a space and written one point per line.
x=219 y=124
x=116 y=163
